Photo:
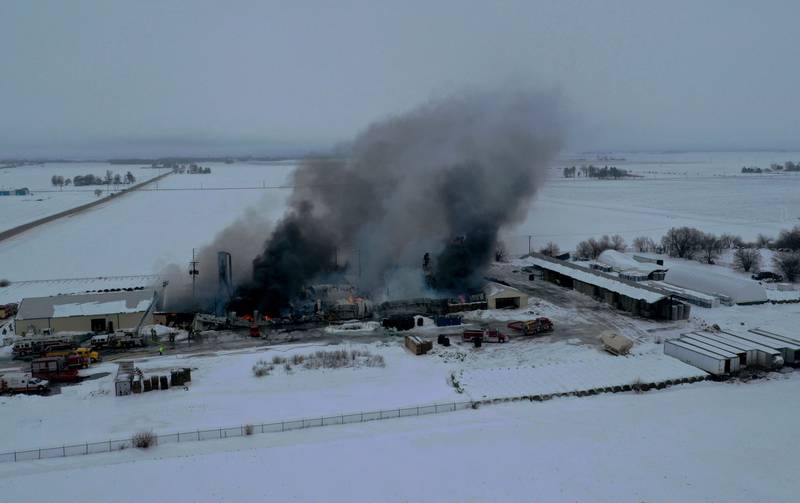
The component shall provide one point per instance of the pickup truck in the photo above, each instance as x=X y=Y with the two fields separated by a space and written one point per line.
x=22 y=383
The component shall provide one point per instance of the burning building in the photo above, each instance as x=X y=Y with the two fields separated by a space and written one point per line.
x=443 y=178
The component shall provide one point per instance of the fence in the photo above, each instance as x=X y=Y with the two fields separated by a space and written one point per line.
x=236 y=431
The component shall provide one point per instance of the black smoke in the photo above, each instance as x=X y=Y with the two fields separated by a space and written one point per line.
x=444 y=178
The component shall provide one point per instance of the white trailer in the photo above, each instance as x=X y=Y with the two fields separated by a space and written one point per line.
x=734 y=364
x=757 y=355
x=792 y=346
x=702 y=337
x=775 y=345
x=703 y=359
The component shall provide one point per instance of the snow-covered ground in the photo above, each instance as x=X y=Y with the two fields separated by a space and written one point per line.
x=45 y=199
x=147 y=230
x=688 y=443
x=222 y=383
x=697 y=189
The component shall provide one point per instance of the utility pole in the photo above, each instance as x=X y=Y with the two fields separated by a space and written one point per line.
x=193 y=272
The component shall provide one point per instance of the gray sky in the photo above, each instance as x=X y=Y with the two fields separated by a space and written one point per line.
x=149 y=78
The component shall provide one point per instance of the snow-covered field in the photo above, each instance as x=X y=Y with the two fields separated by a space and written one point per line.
x=144 y=231
x=703 y=190
x=688 y=443
x=222 y=383
x=45 y=199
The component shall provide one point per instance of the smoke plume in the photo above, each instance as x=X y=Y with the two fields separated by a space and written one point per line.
x=444 y=178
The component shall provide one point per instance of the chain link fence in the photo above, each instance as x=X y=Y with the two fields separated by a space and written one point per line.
x=236 y=431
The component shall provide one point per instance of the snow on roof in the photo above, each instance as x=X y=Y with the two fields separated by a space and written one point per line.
x=702 y=279
x=18 y=290
x=92 y=304
x=498 y=290
x=611 y=283
x=622 y=262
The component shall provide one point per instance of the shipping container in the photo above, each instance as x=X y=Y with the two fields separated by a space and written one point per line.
x=700 y=358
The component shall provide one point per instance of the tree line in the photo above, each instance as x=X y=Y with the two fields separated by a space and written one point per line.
x=693 y=244
x=591 y=171
x=90 y=179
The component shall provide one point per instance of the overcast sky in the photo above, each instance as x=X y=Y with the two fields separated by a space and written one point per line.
x=139 y=78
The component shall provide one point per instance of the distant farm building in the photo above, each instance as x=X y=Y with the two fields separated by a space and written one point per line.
x=15 y=192
x=93 y=312
x=501 y=297
x=631 y=269
x=630 y=296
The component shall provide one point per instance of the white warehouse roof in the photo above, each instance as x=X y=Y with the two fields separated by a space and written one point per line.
x=622 y=262
x=595 y=278
x=90 y=304
x=702 y=279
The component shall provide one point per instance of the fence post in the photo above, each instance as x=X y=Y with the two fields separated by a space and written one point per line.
x=241 y=429
x=198 y=435
x=87 y=448
x=40 y=454
x=179 y=437
x=282 y=426
x=15 y=456
x=418 y=410
x=109 y=445
x=63 y=451
x=341 y=419
x=362 y=418
x=262 y=427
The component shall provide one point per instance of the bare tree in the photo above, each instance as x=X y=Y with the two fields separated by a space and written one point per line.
x=711 y=247
x=551 y=250
x=584 y=250
x=644 y=244
x=788 y=263
x=618 y=243
x=789 y=239
x=728 y=241
x=763 y=241
x=682 y=242
x=747 y=259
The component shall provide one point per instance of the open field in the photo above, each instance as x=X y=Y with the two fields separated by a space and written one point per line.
x=145 y=231
x=688 y=443
x=45 y=199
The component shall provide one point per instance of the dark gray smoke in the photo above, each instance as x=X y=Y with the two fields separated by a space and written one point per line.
x=444 y=178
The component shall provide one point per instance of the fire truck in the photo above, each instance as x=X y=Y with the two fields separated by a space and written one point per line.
x=55 y=369
x=532 y=327
x=485 y=335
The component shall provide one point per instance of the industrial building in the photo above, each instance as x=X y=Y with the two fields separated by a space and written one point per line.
x=631 y=269
x=630 y=296
x=92 y=312
x=501 y=297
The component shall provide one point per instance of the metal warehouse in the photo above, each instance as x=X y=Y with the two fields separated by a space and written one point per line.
x=93 y=312
x=626 y=295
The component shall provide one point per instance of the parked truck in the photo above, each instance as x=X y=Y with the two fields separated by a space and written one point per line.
x=486 y=335
x=532 y=327
x=18 y=382
x=54 y=369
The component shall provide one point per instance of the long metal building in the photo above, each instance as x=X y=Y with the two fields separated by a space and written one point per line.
x=630 y=296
